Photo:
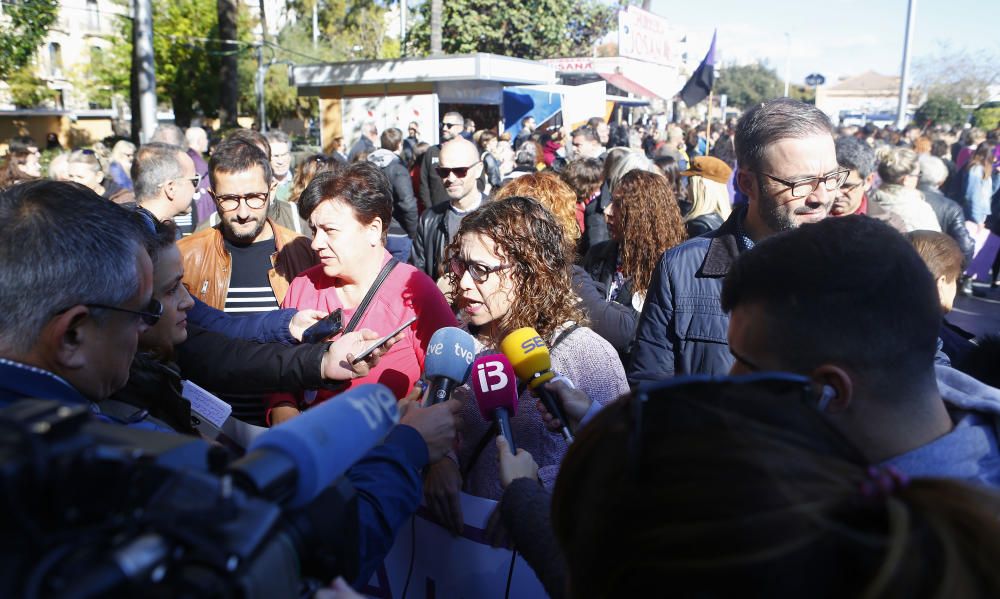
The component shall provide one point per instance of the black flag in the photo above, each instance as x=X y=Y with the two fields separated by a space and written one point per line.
x=698 y=86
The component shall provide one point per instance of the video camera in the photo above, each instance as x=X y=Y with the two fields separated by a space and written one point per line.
x=95 y=509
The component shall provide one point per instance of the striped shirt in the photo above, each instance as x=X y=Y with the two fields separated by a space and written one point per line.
x=249 y=286
x=185 y=224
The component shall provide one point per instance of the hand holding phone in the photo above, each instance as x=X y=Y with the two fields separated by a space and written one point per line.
x=324 y=328
x=379 y=343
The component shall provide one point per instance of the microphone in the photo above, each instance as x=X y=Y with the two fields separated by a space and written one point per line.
x=496 y=392
x=297 y=460
x=449 y=354
x=530 y=359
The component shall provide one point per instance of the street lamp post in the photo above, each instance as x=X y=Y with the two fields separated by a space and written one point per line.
x=788 y=59
x=904 y=80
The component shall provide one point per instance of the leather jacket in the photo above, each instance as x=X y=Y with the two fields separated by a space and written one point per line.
x=431 y=239
x=208 y=266
x=951 y=218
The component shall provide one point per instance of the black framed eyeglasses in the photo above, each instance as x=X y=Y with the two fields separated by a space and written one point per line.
x=150 y=316
x=802 y=188
x=254 y=201
x=446 y=125
x=660 y=408
x=478 y=272
x=460 y=171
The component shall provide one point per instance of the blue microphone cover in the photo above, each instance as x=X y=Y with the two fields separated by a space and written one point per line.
x=450 y=353
x=328 y=439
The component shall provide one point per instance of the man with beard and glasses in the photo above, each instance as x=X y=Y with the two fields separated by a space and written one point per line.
x=788 y=170
x=245 y=263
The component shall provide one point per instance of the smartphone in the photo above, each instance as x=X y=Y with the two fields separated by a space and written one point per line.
x=379 y=343
x=324 y=328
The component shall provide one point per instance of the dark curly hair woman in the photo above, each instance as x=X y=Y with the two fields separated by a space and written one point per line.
x=644 y=221
x=510 y=269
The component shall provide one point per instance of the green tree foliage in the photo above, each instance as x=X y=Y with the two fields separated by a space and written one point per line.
x=527 y=29
x=747 y=85
x=187 y=65
x=987 y=116
x=27 y=90
x=940 y=110
x=349 y=29
x=22 y=30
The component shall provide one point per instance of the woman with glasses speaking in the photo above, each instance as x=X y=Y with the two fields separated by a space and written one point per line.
x=510 y=268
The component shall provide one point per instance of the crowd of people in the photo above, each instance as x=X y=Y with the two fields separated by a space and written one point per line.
x=748 y=327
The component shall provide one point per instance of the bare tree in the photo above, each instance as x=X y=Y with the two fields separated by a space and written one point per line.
x=958 y=73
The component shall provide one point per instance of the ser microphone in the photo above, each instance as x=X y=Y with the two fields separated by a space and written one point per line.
x=297 y=460
x=449 y=354
x=530 y=359
x=493 y=383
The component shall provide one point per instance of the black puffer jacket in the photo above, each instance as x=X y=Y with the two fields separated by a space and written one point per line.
x=951 y=218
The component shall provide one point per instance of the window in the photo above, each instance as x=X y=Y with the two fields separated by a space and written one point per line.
x=55 y=59
x=93 y=15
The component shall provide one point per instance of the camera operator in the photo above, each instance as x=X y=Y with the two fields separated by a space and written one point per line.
x=76 y=295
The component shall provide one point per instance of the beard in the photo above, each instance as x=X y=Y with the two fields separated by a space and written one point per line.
x=777 y=216
x=245 y=235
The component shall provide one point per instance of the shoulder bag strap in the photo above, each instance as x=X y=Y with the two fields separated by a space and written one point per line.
x=371 y=293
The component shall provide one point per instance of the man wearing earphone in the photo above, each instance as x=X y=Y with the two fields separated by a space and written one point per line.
x=849 y=303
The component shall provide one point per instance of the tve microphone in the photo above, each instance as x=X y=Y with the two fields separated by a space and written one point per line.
x=529 y=356
x=495 y=387
x=449 y=354
x=298 y=459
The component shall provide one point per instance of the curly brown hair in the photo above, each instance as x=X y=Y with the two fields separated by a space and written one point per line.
x=553 y=193
x=527 y=236
x=647 y=222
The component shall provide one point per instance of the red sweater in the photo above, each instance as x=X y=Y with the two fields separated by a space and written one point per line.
x=404 y=293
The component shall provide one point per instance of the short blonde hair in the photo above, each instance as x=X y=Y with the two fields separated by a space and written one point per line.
x=897 y=163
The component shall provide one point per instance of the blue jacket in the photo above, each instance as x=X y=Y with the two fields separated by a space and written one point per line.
x=970 y=451
x=682 y=328
x=262 y=327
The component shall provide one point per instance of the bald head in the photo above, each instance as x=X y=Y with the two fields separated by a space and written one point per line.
x=197 y=139
x=456 y=156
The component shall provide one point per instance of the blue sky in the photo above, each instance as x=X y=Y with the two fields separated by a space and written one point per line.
x=835 y=37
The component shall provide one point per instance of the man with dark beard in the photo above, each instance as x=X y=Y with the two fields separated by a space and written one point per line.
x=788 y=170
x=244 y=263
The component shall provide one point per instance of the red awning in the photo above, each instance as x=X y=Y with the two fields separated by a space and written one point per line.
x=625 y=84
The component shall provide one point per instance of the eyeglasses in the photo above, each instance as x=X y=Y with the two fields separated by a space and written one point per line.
x=845 y=188
x=447 y=125
x=460 y=171
x=478 y=272
x=805 y=187
x=150 y=316
x=254 y=201
x=697 y=400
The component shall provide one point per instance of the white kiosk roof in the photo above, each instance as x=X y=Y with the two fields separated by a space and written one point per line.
x=473 y=68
